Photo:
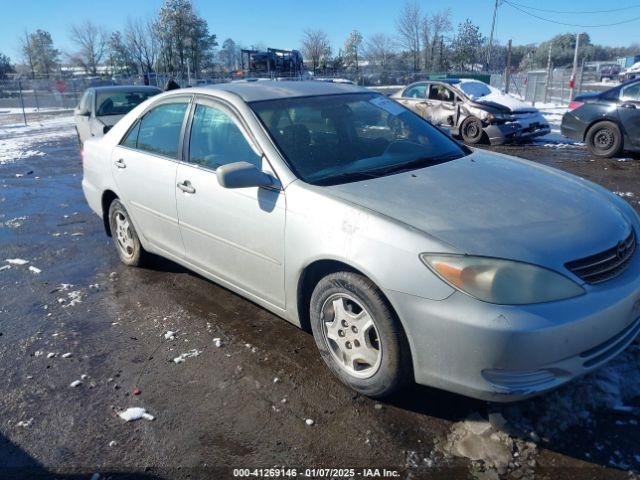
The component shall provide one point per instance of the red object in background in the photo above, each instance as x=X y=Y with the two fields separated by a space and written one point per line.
x=137 y=391
x=571 y=83
x=61 y=86
x=573 y=105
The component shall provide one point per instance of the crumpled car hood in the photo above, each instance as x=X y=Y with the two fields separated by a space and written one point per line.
x=494 y=205
x=511 y=103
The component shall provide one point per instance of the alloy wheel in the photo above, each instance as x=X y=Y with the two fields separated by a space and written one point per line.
x=124 y=236
x=351 y=335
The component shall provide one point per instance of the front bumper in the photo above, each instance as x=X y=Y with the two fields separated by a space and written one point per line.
x=508 y=353
x=515 y=132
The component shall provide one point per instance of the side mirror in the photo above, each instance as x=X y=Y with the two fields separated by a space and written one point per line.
x=106 y=128
x=242 y=175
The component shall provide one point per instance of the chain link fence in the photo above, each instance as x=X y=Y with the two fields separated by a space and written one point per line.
x=550 y=87
x=21 y=99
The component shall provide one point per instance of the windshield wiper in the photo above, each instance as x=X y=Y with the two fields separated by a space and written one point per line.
x=380 y=172
x=411 y=165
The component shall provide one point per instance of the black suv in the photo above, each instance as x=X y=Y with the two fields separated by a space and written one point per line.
x=608 y=122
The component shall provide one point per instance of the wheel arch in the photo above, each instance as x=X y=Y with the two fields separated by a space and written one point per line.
x=108 y=196
x=313 y=273
x=603 y=119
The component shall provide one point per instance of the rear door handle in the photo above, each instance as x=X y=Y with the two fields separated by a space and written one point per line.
x=186 y=187
x=120 y=163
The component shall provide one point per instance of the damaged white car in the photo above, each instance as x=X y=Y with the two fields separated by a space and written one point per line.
x=473 y=111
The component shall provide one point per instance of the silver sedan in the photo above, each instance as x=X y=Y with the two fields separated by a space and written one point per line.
x=409 y=256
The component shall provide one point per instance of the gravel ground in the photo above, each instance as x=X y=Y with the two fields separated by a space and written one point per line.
x=87 y=320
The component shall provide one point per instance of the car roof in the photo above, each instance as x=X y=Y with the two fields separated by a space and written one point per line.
x=256 y=91
x=127 y=88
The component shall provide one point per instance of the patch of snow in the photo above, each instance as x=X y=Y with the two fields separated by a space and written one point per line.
x=5 y=267
x=183 y=356
x=25 y=423
x=14 y=222
x=75 y=297
x=309 y=421
x=624 y=194
x=67 y=355
x=16 y=261
x=113 y=443
x=135 y=413
x=18 y=141
x=217 y=342
x=75 y=383
x=478 y=440
x=51 y=355
x=34 y=269
x=170 y=335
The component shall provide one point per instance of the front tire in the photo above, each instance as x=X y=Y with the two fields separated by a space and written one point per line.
x=125 y=236
x=604 y=139
x=471 y=130
x=359 y=335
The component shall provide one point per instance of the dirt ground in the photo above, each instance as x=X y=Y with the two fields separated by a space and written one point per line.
x=244 y=404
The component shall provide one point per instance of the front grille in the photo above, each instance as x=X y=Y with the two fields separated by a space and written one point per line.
x=605 y=265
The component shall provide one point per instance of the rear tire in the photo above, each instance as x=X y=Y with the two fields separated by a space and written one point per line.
x=604 y=139
x=471 y=130
x=359 y=335
x=125 y=236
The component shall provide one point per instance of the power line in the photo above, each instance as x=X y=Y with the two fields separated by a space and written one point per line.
x=575 y=12
x=570 y=24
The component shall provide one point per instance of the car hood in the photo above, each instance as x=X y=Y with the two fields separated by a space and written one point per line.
x=508 y=102
x=493 y=205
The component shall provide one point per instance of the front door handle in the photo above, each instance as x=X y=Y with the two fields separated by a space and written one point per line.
x=628 y=105
x=186 y=187
x=120 y=163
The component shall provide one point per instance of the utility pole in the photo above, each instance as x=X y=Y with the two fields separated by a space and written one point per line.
x=493 y=26
x=572 y=82
x=507 y=72
x=548 y=82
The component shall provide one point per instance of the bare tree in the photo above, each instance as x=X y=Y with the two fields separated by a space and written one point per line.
x=92 y=42
x=379 y=49
x=142 y=44
x=316 y=47
x=440 y=24
x=38 y=51
x=352 y=49
x=409 y=31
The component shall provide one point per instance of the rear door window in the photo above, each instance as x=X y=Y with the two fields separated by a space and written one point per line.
x=158 y=132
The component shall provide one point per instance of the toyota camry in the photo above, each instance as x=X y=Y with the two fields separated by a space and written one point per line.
x=408 y=256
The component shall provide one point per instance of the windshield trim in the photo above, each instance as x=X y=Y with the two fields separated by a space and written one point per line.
x=465 y=150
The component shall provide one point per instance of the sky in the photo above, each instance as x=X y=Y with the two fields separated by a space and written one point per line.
x=281 y=23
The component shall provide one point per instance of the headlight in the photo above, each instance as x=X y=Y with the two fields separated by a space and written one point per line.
x=501 y=281
x=499 y=117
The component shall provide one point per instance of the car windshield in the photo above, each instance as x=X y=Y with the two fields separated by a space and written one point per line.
x=120 y=103
x=333 y=139
x=475 y=90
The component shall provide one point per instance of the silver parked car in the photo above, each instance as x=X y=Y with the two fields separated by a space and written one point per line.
x=474 y=111
x=409 y=256
x=100 y=108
